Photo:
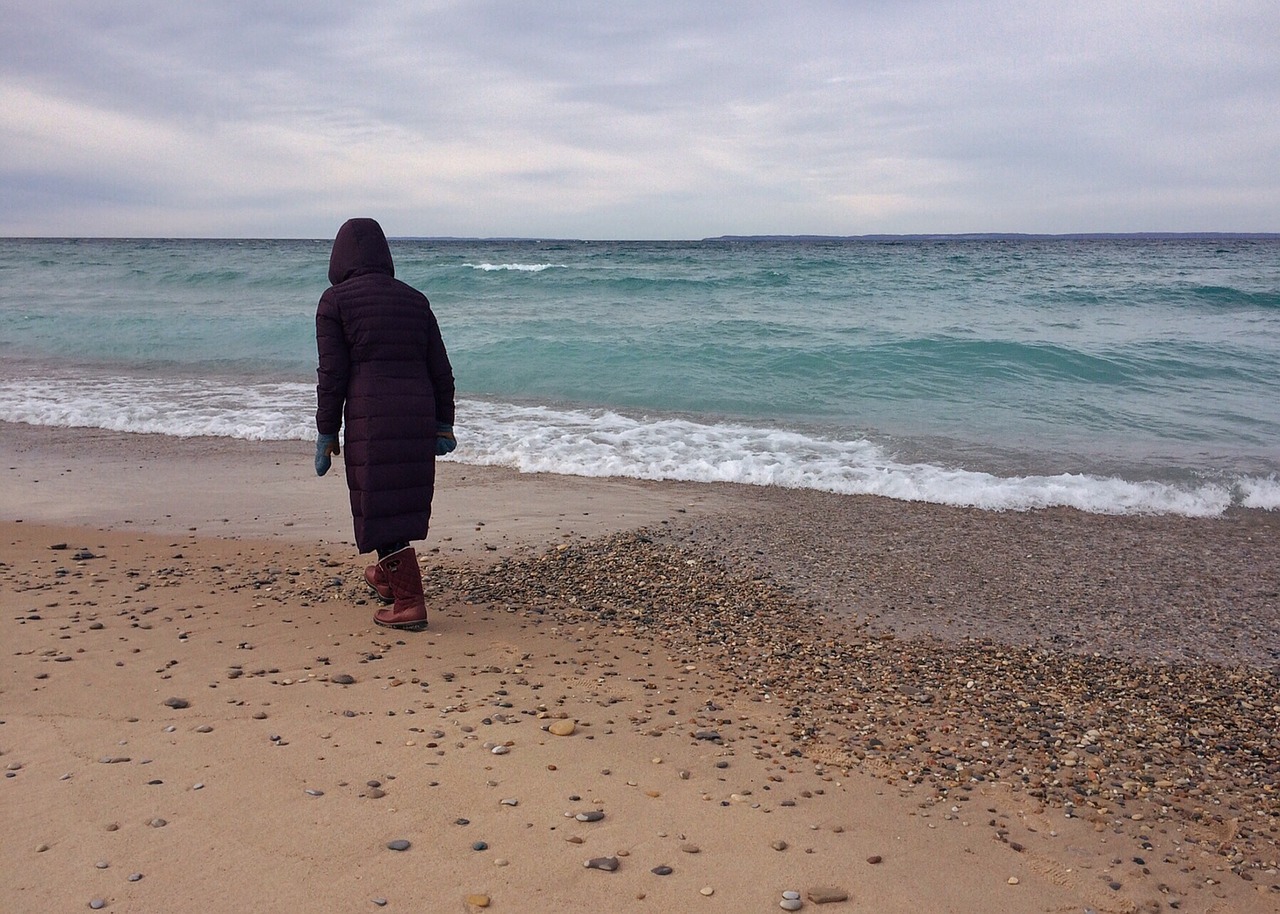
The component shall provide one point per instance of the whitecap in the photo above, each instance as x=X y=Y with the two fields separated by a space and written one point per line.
x=515 y=267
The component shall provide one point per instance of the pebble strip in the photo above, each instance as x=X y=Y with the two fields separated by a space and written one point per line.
x=1194 y=743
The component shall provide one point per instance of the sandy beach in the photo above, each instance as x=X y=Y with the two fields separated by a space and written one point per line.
x=631 y=697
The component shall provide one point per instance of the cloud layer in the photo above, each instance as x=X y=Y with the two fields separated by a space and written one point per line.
x=653 y=120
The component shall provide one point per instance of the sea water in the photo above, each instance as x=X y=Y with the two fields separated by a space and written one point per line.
x=1110 y=374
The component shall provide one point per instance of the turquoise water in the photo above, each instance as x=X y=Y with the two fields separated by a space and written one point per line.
x=1110 y=374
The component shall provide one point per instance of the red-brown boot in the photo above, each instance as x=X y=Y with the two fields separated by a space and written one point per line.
x=376 y=578
x=405 y=580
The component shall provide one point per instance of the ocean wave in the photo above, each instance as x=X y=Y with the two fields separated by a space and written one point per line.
x=602 y=443
x=1230 y=297
x=1260 y=492
x=179 y=408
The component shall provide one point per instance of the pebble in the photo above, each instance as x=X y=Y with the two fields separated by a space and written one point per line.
x=827 y=895
x=690 y=848
x=707 y=891
x=343 y=679
x=1013 y=880
x=874 y=859
x=779 y=845
x=594 y=815
x=380 y=902
x=608 y=864
x=478 y=901
x=562 y=728
x=312 y=792
x=400 y=844
x=98 y=904
x=662 y=871
x=500 y=750
x=479 y=846
x=134 y=877
x=177 y=703
x=791 y=904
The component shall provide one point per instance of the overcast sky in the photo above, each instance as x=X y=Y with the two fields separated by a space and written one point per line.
x=660 y=119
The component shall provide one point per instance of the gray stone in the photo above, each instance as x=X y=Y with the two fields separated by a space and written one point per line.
x=827 y=895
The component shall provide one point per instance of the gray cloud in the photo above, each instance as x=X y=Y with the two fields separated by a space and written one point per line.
x=638 y=120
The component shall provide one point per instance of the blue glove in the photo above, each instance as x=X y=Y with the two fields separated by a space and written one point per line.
x=445 y=442
x=326 y=448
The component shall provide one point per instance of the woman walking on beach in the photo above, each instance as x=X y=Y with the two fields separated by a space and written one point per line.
x=384 y=369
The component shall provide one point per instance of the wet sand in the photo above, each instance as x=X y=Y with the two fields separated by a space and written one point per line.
x=919 y=707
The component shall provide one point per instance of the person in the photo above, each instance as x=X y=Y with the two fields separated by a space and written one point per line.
x=384 y=381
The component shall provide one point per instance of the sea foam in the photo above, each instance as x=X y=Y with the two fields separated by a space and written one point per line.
x=604 y=443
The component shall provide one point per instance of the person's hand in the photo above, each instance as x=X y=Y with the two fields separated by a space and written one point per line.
x=326 y=449
x=445 y=442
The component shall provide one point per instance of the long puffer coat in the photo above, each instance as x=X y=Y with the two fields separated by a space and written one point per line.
x=384 y=369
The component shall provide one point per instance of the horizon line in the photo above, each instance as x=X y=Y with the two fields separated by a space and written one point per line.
x=875 y=236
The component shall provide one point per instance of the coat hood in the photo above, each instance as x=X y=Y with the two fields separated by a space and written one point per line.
x=360 y=247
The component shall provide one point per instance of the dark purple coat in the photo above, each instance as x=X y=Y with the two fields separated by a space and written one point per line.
x=383 y=368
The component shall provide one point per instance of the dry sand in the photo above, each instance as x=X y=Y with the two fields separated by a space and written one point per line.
x=769 y=690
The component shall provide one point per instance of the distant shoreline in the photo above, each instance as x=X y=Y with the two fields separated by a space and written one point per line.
x=1018 y=236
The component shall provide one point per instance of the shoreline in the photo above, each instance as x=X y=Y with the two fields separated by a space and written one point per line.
x=229 y=487
x=877 y=680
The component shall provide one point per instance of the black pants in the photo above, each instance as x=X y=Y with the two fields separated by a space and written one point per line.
x=384 y=551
